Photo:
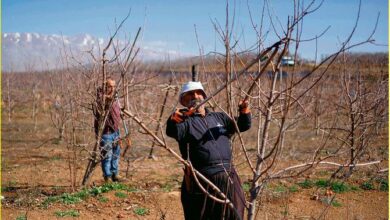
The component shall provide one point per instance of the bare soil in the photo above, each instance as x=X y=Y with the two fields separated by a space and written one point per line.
x=35 y=168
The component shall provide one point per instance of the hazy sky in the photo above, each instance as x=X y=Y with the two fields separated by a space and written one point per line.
x=170 y=24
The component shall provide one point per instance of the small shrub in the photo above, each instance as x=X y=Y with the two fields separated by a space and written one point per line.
x=367 y=185
x=71 y=213
x=121 y=195
x=383 y=185
x=141 y=211
x=306 y=184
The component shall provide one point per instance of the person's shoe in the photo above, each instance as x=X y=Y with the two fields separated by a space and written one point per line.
x=116 y=178
x=107 y=179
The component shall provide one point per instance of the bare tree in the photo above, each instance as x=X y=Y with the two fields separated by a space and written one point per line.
x=10 y=101
x=360 y=109
x=122 y=64
x=282 y=104
x=36 y=96
x=279 y=103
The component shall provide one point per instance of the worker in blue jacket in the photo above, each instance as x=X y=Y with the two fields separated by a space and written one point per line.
x=204 y=140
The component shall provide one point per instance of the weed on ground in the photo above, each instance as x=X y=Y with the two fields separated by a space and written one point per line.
x=84 y=194
x=66 y=213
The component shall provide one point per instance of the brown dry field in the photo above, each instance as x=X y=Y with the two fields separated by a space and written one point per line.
x=35 y=168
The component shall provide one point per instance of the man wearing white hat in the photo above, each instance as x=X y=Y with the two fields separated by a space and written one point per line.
x=204 y=139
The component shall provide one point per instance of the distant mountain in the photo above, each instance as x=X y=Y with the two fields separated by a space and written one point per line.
x=33 y=51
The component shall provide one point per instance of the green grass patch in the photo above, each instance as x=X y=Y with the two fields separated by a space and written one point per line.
x=109 y=187
x=103 y=199
x=336 y=203
x=65 y=198
x=56 y=141
x=383 y=184
x=284 y=213
x=21 y=217
x=82 y=195
x=55 y=158
x=335 y=186
x=131 y=189
x=354 y=188
x=66 y=213
x=329 y=201
x=69 y=198
x=293 y=189
x=55 y=188
x=141 y=211
x=306 y=184
x=9 y=187
x=340 y=187
x=280 y=189
x=246 y=187
x=367 y=185
x=167 y=187
x=49 y=200
x=321 y=183
x=121 y=195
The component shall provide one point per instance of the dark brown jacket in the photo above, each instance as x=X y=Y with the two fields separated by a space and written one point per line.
x=114 y=115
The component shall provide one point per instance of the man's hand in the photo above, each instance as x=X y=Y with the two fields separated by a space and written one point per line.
x=181 y=114
x=125 y=140
x=243 y=107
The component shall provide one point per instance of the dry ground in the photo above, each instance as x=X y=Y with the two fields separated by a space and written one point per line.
x=32 y=173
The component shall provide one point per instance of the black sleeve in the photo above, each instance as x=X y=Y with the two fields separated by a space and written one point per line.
x=177 y=131
x=244 y=122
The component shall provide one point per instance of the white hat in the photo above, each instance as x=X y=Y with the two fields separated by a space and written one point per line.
x=191 y=86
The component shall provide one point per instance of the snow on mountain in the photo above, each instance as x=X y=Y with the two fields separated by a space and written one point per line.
x=34 y=51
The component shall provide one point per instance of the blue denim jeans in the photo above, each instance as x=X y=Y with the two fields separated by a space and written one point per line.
x=110 y=154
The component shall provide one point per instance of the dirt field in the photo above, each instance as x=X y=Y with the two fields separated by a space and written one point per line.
x=36 y=185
